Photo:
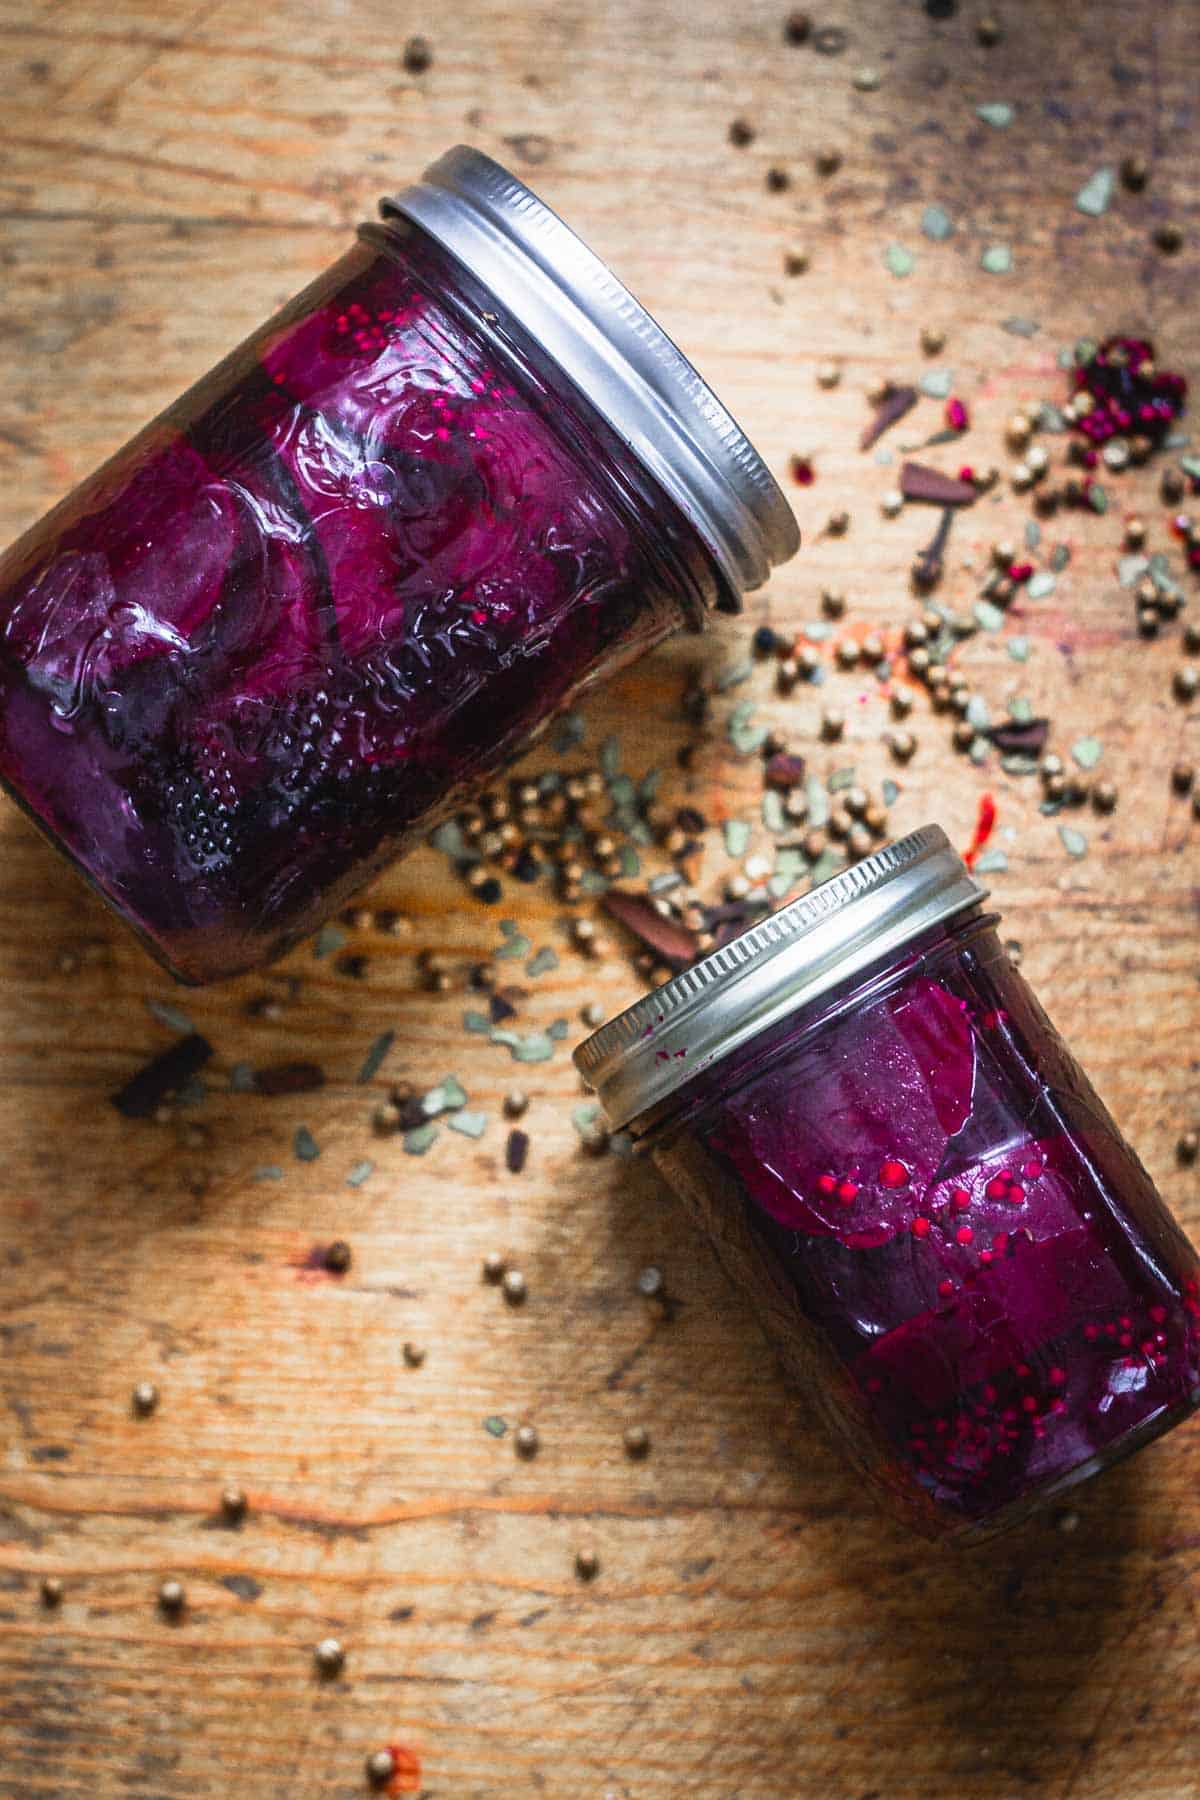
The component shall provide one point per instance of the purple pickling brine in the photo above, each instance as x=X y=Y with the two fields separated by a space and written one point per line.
x=356 y=568
x=948 y=1240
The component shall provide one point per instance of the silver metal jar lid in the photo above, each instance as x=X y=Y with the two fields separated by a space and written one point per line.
x=842 y=928
x=612 y=350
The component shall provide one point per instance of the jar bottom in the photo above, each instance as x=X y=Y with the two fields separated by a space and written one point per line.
x=1017 y=1511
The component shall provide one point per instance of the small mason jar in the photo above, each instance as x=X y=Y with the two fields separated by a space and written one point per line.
x=355 y=569
x=946 y=1237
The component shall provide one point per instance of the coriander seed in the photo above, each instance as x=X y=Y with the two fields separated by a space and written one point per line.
x=52 y=1591
x=171 y=1597
x=1187 y=682
x=145 y=1399
x=418 y=55
x=233 y=1503
x=494 y=1266
x=526 y=1440
x=515 y=1290
x=587 y=1563
x=329 y=1657
x=381 y=1766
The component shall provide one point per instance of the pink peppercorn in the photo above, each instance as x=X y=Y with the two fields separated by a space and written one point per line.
x=957 y=416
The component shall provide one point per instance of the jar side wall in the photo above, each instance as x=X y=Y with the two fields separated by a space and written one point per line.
x=297 y=620
x=923 y=1194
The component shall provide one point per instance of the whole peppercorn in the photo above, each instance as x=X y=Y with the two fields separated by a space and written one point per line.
x=1191 y=639
x=526 y=1440
x=919 y=661
x=418 y=55
x=514 y=1286
x=933 y=341
x=381 y=1766
x=833 y=602
x=856 y=800
x=338 y=1257
x=840 y=823
x=1147 y=624
x=796 y=260
x=1104 y=796
x=516 y=1101
x=1187 y=682
x=329 y=1657
x=145 y=1399
x=1188 y=1147
x=1182 y=777
x=828 y=160
x=901 y=703
x=637 y=1441
x=1135 y=533
x=741 y=133
x=1056 y=787
x=587 y=1563
x=171 y=1597
x=52 y=1591
x=902 y=745
x=964 y=735
x=847 y=653
x=838 y=523
x=765 y=642
x=858 y=843
x=1135 y=173
x=233 y=1503
x=494 y=1266
x=1168 y=237
x=414 y=1355
x=988 y=31
x=777 y=180
x=833 y=723
x=797 y=28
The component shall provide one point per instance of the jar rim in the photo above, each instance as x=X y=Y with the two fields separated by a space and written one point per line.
x=615 y=354
x=841 y=928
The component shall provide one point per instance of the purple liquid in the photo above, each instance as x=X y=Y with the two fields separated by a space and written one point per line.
x=295 y=622
x=946 y=1234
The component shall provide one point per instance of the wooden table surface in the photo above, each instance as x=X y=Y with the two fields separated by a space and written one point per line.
x=168 y=174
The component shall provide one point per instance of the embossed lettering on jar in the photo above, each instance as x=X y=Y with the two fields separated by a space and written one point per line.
x=359 y=565
x=946 y=1236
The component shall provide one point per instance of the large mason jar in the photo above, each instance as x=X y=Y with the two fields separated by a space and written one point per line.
x=355 y=569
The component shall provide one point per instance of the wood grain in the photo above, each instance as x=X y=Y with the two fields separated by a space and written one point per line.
x=167 y=176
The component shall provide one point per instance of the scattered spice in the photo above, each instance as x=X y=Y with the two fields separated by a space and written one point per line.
x=172 y=1598
x=145 y=1399
x=329 y=1657
x=669 y=941
x=418 y=55
x=337 y=1257
x=919 y=482
x=516 y=1151
x=290 y=1078
x=163 y=1077
x=515 y=1290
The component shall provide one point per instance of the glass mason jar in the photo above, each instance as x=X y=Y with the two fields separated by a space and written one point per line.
x=942 y=1229
x=349 y=574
